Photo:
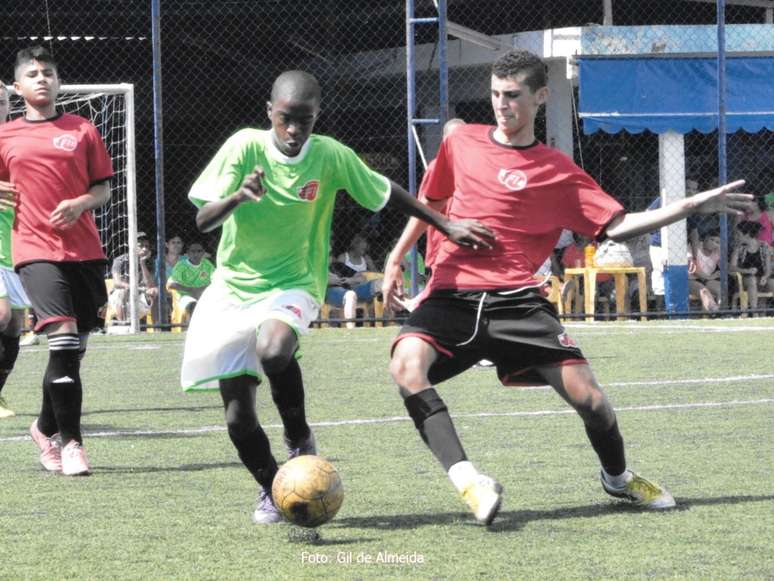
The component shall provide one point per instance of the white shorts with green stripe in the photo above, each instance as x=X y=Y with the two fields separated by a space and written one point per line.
x=11 y=288
x=221 y=338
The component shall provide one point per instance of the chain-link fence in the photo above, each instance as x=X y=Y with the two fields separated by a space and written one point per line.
x=220 y=57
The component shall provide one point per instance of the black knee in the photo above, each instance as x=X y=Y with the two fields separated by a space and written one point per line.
x=423 y=405
x=274 y=361
x=240 y=421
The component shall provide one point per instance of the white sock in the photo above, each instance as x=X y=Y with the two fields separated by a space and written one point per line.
x=462 y=474
x=617 y=481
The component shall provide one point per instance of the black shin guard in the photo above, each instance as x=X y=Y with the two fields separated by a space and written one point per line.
x=287 y=391
x=10 y=346
x=609 y=446
x=431 y=418
x=62 y=384
x=255 y=453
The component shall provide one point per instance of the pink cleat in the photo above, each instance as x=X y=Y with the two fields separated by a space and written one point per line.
x=74 y=461
x=50 y=448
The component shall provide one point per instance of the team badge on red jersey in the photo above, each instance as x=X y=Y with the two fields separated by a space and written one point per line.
x=66 y=142
x=566 y=341
x=309 y=190
x=513 y=179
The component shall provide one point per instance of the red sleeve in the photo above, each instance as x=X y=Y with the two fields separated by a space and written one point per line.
x=100 y=164
x=589 y=209
x=438 y=181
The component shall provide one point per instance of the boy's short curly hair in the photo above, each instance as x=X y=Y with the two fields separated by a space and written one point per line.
x=517 y=61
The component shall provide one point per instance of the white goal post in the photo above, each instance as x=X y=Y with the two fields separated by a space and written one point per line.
x=111 y=109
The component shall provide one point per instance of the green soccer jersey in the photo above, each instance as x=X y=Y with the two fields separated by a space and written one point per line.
x=192 y=275
x=6 y=225
x=281 y=241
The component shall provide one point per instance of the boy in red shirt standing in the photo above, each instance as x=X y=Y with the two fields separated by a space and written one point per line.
x=60 y=171
x=482 y=301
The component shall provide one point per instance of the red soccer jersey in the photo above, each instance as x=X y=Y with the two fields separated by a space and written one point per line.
x=525 y=195
x=51 y=161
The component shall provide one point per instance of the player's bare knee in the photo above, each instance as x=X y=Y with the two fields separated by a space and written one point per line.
x=409 y=373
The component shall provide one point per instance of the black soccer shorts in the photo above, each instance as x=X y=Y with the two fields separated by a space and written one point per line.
x=518 y=331
x=66 y=291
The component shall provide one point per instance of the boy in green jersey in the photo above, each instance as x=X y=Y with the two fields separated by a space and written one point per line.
x=13 y=299
x=273 y=194
x=190 y=276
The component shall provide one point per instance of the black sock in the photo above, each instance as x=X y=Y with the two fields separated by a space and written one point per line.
x=62 y=383
x=10 y=346
x=431 y=418
x=609 y=446
x=255 y=453
x=287 y=391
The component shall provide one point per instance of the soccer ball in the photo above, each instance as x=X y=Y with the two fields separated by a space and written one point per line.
x=307 y=490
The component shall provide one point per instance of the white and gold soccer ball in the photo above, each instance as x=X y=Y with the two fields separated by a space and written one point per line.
x=308 y=491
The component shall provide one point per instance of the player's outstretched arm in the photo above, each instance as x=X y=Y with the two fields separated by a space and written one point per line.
x=213 y=214
x=720 y=200
x=470 y=233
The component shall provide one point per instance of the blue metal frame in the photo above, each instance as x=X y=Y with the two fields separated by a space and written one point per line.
x=158 y=145
x=722 y=159
x=411 y=120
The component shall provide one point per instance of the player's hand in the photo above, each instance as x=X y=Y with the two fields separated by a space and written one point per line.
x=722 y=200
x=392 y=285
x=470 y=233
x=66 y=214
x=8 y=196
x=252 y=186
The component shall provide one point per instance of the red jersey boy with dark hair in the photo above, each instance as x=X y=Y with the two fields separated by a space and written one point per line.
x=482 y=301
x=59 y=170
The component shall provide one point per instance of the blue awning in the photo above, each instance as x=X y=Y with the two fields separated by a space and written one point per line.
x=659 y=94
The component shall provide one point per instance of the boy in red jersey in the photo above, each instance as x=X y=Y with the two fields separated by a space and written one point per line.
x=483 y=302
x=59 y=170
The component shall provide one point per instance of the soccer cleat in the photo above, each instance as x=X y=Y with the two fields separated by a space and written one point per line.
x=50 y=448
x=483 y=496
x=74 y=461
x=5 y=411
x=641 y=492
x=306 y=447
x=266 y=511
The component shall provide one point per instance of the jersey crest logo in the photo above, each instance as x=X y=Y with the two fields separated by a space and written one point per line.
x=566 y=341
x=309 y=190
x=66 y=142
x=294 y=309
x=513 y=179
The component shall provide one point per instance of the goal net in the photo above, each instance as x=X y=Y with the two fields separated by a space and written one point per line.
x=111 y=109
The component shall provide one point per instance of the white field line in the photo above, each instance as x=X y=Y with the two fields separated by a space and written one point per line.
x=396 y=419
x=655 y=383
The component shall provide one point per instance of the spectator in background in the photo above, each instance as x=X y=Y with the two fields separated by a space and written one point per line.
x=119 y=297
x=703 y=273
x=763 y=214
x=190 y=276
x=173 y=253
x=355 y=257
x=751 y=259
